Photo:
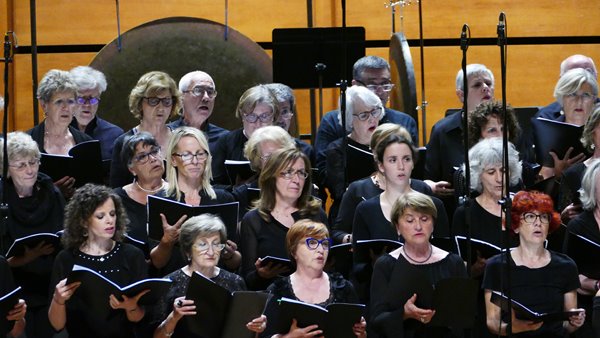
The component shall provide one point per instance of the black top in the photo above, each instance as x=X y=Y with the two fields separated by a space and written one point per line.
x=307 y=149
x=37 y=134
x=387 y=301
x=570 y=184
x=103 y=131
x=212 y=132
x=542 y=289
x=229 y=147
x=585 y=225
x=260 y=238
x=137 y=214
x=119 y=174
x=340 y=291
x=124 y=264
x=228 y=280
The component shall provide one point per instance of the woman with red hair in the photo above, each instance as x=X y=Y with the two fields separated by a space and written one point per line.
x=542 y=280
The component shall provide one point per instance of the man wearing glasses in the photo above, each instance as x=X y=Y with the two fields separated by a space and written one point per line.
x=199 y=94
x=91 y=84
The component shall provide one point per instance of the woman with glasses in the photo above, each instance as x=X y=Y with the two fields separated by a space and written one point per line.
x=189 y=174
x=285 y=198
x=542 y=280
x=308 y=245
x=35 y=205
x=202 y=240
x=256 y=108
x=394 y=312
x=153 y=100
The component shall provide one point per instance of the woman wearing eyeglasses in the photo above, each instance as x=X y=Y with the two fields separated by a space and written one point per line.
x=35 y=205
x=202 y=240
x=542 y=280
x=285 y=198
x=152 y=101
x=189 y=174
x=257 y=108
x=308 y=244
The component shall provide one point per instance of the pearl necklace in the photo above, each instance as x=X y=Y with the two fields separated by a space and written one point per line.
x=416 y=261
x=151 y=191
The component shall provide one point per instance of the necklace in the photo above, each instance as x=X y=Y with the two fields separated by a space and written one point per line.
x=150 y=191
x=416 y=261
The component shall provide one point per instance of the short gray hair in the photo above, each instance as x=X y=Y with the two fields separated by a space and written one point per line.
x=359 y=94
x=274 y=134
x=472 y=69
x=283 y=93
x=368 y=62
x=571 y=81
x=184 y=82
x=200 y=226
x=55 y=81
x=88 y=78
x=587 y=193
x=21 y=145
x=489 y=152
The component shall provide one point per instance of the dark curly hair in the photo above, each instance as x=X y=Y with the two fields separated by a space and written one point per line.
x=528 y=201
x=478 y=118
x=80 y=209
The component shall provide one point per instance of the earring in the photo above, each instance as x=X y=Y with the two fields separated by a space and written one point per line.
x=85 y=233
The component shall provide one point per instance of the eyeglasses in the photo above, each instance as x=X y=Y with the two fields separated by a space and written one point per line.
x=289 y=174
x=375 y=112
x=529 y=217
x=88 y=100
x=386 y=87
x=20 y=166
x=143 y=158
x=313 y=243
x=200 y=91
x=154 y=101
x=252 y=118
x=64 y=102
x=286 y=114
x=188 y=157
x=585 y=97
x=203 y=246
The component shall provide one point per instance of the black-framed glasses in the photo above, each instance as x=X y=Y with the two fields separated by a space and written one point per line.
x=200 y=156
x=313 y=243
x=529 y=217
x=252 y=118
x=386 y=87
x=204 y=246
x=142 y=158
x=154 y=101
x=375 y=112
x=289 y=174
x=88 y=100
x=200 y=91
x=20 y=166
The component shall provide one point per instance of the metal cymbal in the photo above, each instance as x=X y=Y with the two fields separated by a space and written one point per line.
x=404 y=95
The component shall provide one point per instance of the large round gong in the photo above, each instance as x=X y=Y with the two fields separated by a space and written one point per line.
x=404 y=94
x=177 y=46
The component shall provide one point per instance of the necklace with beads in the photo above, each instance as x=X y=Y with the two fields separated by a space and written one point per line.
x=417 y=261
x=151 y=191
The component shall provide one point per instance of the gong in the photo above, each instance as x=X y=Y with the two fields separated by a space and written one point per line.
x=404 y=94
x=178 y=45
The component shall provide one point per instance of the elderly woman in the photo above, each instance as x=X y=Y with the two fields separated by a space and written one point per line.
x=152 y=101
x=94 y=227
x=363 y=112
x=189 y=174
x=308 y=246
x=18 y=312
x=542 y=280
x=90 y=85
x=35 y=205
x=284 y=199
x=257 y=108
x=202 y=239
x=392 y=313
x=257 y=150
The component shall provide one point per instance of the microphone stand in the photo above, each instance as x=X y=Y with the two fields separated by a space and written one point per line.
x=506 y=202
x=343 y=86
x=3 y=204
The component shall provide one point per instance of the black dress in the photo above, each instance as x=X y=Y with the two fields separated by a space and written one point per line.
x=541 y=289
x=228 y=280
x=260 y=238
x=124 y=264
x=7 y=284
x=387 y=301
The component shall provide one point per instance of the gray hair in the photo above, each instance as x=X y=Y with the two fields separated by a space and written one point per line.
x=489 y=152
x=368 y=62
x=200 y=226
x=587 y=137
x=131 y=143
x=356 y=95
x=55 y=81
x=184 y=82
x=571 y=81
x=274 y=134
x=283 y=93
x=20 y=145
x=472 y=69
x=88 y=78
x=587 y=193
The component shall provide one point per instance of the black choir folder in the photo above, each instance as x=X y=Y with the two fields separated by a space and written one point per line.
x=336 y=320
x=238 y=171
x=7 y=303
x=555 y=136
x=31 y=241
x=377 y=245
x=84 y=163
x=95 y=289
x=173 y=210
x=524 y=313
x=359 y=163
x=585 y=253
x=220 y=313
x=478 y=248
x=278 y=261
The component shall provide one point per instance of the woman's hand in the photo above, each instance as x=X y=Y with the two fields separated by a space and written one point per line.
x=66 y=185
x=134 y=312
x=360 y=328
x=519 y=325
x=270 y=270
x=441 y=188
x=63 y=291
x=560 y=165
x=414 y=312
x=257 y=325
x=299 y=332
x=478 y=266
x=18 y=312
x=577 y=320
x=31 y=254
x=171 y=232
x=570 y=211
x=183 y=307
